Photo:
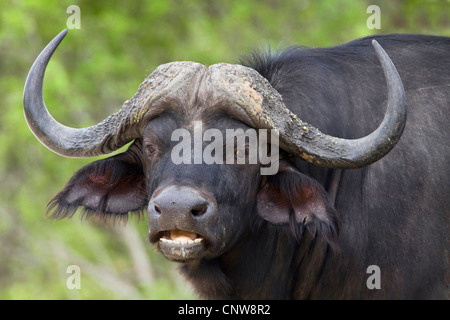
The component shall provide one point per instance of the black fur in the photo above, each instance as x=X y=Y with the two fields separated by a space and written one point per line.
x=342 y=91
x=294 y=241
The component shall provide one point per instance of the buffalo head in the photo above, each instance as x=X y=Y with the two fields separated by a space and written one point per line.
x=202 y=210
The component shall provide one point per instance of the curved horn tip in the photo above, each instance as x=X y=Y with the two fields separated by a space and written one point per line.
x=99 y=139
x=60 y=36
x=378 y=48
x=63 y=33
x=382 y=55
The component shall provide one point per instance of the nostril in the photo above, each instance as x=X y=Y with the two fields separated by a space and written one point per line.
x=199 y=210
x=157 y=208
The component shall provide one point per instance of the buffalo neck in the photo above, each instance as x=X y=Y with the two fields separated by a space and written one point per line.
x=267 y=264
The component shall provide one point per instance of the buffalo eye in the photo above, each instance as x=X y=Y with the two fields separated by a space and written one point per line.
x=150 y=149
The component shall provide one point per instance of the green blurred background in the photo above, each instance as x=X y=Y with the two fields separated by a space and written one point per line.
x=93 y=72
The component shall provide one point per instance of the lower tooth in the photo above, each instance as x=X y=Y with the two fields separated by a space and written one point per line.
x=181 y=242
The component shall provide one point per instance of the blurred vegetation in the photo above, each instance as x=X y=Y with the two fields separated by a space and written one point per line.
x=97 y=68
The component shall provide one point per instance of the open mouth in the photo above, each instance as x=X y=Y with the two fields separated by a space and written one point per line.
x=179 y=245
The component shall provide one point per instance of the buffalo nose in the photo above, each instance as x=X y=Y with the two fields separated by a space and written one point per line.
x=179 y=205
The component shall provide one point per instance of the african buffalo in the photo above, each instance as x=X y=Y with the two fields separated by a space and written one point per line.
x=361 y=216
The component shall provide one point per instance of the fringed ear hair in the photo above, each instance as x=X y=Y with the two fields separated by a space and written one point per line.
x=108 y=188
x=293 y=199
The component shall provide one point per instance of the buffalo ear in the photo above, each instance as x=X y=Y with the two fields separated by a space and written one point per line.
x=111 y=187
x=298 y=201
